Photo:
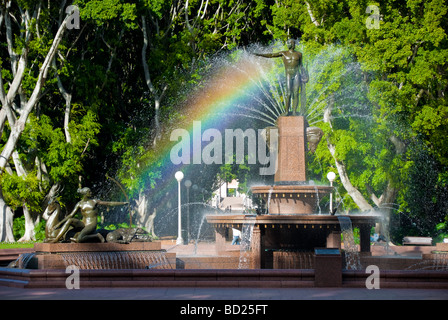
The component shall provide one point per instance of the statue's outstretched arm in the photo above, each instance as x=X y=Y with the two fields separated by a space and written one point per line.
x=111 y=203
x=269 y=55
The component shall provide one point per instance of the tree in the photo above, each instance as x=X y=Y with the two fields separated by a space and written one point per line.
x=24 y=90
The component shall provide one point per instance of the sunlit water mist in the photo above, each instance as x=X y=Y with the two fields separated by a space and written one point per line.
x=266 y=99
x=352 y=259
x=438 y=262
x=246 y=244
x=194 y=224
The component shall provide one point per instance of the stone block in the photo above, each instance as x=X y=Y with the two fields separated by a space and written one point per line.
x=328 y=268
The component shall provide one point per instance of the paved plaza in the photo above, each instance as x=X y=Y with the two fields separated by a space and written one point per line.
x=230 y=294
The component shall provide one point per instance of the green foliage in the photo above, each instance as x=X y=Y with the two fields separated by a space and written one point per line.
x=103 y=11
x=442 y=230
x=39 y=231
x=22 y=190
x=64 y=159
x=241 y=172
x=19 y=227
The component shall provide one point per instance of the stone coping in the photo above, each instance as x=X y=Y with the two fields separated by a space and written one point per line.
x=291 y=189
x=96 y=247
x=299 y=219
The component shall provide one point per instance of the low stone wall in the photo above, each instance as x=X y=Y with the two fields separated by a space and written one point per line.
x=411 y=279
x=222 y=271
x=25 y=278
x=229 y=262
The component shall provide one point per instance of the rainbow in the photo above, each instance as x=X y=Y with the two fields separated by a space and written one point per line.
x=230 y=87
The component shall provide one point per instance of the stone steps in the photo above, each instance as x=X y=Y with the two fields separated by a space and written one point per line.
x=293 y=278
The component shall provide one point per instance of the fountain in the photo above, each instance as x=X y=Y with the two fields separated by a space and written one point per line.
x=292 y=222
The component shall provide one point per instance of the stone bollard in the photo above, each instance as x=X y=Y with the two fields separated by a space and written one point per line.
x=327 y=267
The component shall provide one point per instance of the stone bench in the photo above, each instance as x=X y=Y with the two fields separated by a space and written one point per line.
x=420 y=241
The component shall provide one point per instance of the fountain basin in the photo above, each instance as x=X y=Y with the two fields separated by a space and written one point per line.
x=292 y=199
x=298 y=233
x=134 y=255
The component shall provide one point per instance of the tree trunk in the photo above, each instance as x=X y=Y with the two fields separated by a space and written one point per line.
x=142 y=206
x=6 y=221
x=68 y=101
x=157 y=97
x=388 y=196
x=142 y=217
x=18 y=126
x=29 y=226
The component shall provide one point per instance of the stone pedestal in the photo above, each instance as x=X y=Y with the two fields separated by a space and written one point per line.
x=300 y=233
x=220 y=240
x=291 y=150
x=334 y=239
x=257 y=247
x=291 y=194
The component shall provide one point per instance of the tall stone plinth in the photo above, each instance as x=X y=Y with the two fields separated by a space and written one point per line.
x=291 y=165
x=291 y=194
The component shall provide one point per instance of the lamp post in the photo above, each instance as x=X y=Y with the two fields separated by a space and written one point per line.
x=179 y=176
x=331 y=176
x=188 y=185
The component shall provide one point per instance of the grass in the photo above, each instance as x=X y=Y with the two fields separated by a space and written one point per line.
x=16 y=245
